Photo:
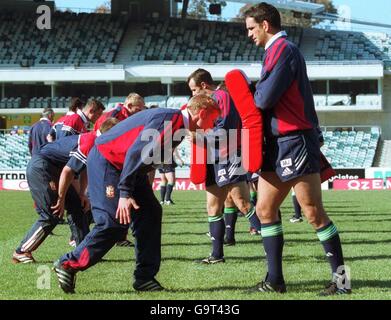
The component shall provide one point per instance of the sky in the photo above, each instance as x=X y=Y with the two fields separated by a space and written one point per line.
x=374 y=10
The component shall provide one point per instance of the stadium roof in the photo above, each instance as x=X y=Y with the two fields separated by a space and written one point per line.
x=300 y=6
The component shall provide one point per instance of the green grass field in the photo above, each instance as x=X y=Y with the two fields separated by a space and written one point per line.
x=363 y=219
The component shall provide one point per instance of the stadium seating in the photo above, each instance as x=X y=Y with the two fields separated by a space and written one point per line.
x=201 y=41
x=10 y=103
x=74 y=39
x=14 y=153
x=343 y=148
x=344 y=45
x=351 y=149
x=90 y=39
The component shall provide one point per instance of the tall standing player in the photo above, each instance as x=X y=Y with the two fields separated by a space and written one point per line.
x=292 y=149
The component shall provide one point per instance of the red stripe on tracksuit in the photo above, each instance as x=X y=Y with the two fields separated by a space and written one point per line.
x=290 y=111
x=275 y=53
x=80 y=264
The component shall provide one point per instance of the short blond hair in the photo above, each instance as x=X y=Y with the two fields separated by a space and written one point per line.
x=134 y=99
x=202 y=101
x=108 y=124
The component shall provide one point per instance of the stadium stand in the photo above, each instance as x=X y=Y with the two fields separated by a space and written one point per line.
x=78 y=39
x=74 y=39
x=201 y=41
x=10 y=103
x=344 y=45
x=42 y=102
x=345 y=148
x=350 y=148
x=14 y=152
x=213 y=42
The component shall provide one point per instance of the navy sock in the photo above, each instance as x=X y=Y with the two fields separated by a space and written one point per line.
x=273 y=243
x=230 y=217
x=170 y=187
x=297 y=207
x=217 y=230
x=331 y=242
x=253 y=218
x=163 y=189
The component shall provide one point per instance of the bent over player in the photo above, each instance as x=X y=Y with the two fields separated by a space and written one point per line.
x=120 y=192
x=43 y=174
x=225 y=176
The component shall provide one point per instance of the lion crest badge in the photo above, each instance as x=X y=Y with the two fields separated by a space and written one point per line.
x=110 y=192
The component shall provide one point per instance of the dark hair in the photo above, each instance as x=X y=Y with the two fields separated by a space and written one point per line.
x=76 y=103
x=200 y=75
x=264 y=11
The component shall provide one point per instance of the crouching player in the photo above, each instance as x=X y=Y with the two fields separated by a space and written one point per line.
x=65 y=156
x=120 y=193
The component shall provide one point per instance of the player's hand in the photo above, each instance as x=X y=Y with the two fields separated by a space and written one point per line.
x=125 y=206
x=58 y=208
x=85 y=202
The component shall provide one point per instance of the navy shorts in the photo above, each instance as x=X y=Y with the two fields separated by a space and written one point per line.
x=292 y=156
x=167 y=168
x=227 y=173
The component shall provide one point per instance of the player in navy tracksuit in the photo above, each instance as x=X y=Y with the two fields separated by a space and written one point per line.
x=120 y=192
x=40 y=130
x=292 y=149
x=224 y=174
x=74 y=124
x=43 y=173
x=50 y=174
x=133 y=103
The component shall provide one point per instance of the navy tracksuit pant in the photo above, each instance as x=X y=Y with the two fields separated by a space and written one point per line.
x=146 y=222
x=42 y=178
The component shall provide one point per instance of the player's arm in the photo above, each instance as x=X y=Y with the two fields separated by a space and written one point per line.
x=275 y=82
x=85 y=202
x=66 y=178
x=75 y=166
x=134 y=161
x=30 y=145
x=137 y=157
